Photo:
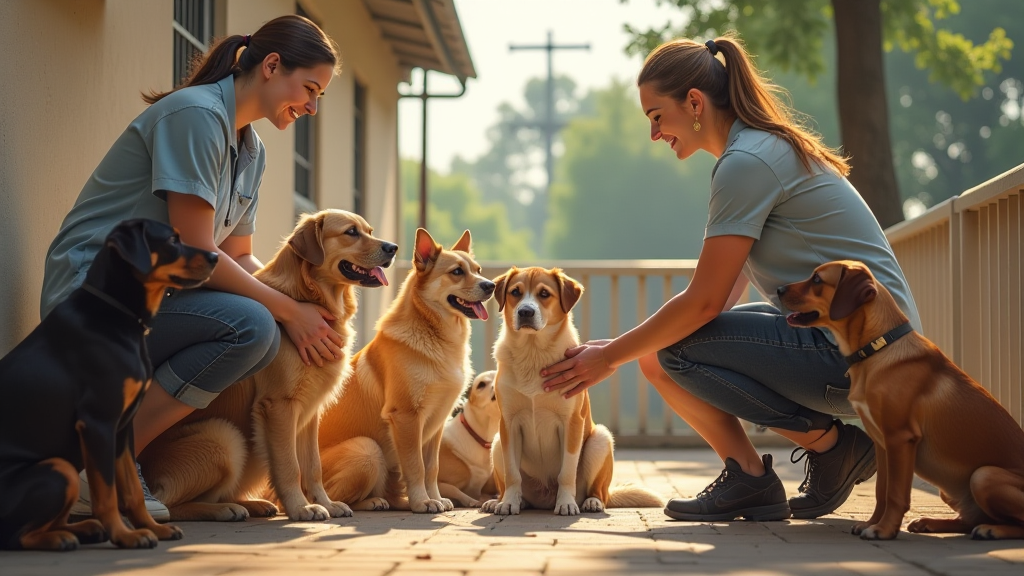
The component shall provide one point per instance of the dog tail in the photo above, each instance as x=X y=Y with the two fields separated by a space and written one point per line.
x=633 y=496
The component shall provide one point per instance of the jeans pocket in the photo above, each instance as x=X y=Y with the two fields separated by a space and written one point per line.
x=838 y=399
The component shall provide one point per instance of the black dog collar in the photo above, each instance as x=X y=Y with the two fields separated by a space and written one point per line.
x=107 y=298
x=879 y=343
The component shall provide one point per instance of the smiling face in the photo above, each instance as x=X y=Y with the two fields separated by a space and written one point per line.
x=342 y=249
x=671 y=121
x=289 y=94
x=534 y=298
x=451 y=277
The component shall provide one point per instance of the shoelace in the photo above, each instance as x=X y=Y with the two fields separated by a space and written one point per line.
x=146 y=494
x=810 y=466
x=721 y=482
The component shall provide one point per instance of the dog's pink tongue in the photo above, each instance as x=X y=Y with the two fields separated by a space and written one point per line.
x=481 y=312
x=378 y=273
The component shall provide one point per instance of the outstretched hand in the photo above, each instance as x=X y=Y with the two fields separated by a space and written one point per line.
x=584 y=366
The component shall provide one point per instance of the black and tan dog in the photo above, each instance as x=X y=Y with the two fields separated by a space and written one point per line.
x=924 y=413
x=72 y=388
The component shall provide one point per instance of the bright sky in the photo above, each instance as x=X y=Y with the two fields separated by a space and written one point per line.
x=457 y=126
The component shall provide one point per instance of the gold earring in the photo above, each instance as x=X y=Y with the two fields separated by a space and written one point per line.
x=696 y=125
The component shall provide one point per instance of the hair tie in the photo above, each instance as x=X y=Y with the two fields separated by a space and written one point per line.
x=245 y=40
x=712 y=47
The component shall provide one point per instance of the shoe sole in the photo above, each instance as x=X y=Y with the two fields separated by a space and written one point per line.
x=864 y=470
x=770 y=513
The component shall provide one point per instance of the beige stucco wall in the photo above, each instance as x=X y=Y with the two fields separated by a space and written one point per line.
x=72 y=73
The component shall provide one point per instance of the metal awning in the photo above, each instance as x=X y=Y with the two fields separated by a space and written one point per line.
x=424 y=34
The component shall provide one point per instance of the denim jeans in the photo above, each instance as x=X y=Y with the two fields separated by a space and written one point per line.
x=750 y=363
x=205 y=340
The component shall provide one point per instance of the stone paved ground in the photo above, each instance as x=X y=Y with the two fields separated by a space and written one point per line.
x=628 y=541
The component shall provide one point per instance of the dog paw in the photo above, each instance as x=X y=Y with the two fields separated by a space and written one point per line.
x=89 y=531
x=567 y=509
x=428 y=506
x=859 y=527
x=378 y=504
x=258 y=509
x=338 y=510
x=592 y=505
x=919 y=526
x=996 y=532
x=507 y=508
x=309 y=513
x=876 y=532
x=233 y=513
x=491 y=506
x=448 y=505
x=142 y=538
x=167 y=532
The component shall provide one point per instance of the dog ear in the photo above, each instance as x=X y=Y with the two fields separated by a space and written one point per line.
x=463 y=244
x=570 y=290
x=856 y=287
x=307 y=241
x=128 y=239
x=427 y=250
x=499 y=288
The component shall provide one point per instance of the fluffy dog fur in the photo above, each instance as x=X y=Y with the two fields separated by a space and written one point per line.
x=924 y=413
x=379 y=444
x=208 y=466
x=550 y=454
x=466 y=476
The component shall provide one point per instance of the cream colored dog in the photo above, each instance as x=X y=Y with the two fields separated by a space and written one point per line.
x=380 y=443
x=550 y=454
x=212 y=464
x=466 y=476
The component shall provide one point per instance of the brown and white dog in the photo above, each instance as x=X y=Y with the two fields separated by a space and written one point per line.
x=212 y=464
x=924 y=413
x=380 y=442
x=550 y=454
x=466 y=475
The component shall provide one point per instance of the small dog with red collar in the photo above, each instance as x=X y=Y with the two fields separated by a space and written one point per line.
x=465 y=473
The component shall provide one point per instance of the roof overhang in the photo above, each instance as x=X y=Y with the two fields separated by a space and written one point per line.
x=424 y=34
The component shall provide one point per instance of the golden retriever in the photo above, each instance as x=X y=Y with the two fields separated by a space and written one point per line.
x=550 y=454
x=466 y=476
x=380 y=442
x=210 y=465
x=924 y=413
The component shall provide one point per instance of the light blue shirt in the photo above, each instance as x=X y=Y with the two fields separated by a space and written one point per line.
x=799 y=219
x=184 y=143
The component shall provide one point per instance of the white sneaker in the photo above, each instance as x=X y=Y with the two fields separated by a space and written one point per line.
x=83 y=507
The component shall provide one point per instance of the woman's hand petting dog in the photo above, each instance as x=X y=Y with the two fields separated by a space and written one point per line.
x=317 y=345
x=584 y=366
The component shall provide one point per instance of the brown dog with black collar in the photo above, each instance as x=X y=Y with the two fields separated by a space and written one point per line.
x=924 y=413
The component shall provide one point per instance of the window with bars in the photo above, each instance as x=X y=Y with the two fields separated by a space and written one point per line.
x=193 y=29
x=359 y=149
x=305 y=154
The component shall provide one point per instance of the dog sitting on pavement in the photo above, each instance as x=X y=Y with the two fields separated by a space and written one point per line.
x=465 y=474
x=923 y=412
x=550 y=454
x=72 y=388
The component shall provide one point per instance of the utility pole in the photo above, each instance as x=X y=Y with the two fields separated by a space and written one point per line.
x=549 y=126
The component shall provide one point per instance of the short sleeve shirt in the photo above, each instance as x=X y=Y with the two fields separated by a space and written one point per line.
x=800 y=219
x=184 y=143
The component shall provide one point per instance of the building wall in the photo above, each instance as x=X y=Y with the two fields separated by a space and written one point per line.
x=73 y=73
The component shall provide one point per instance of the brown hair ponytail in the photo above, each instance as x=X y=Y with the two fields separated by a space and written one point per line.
x=676 y=67
x=299 y=42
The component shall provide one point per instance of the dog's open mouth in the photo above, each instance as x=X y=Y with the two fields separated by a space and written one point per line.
x=802 y=318
x=472 y=310
x=370 y=278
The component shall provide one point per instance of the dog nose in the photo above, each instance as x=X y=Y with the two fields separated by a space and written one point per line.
x=212 y=257
x=389 y=248
x=487 y=286
x=525 y=312
x=781 y=290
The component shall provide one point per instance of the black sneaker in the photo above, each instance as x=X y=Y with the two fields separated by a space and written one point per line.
x=735 y=494
x=832 y=475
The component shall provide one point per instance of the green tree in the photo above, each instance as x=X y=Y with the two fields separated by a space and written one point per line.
x=456 y=205
x=619 y=195
x=790 y=35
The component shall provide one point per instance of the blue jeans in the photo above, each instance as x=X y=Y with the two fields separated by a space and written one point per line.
x=750 y=363
x=205 y=340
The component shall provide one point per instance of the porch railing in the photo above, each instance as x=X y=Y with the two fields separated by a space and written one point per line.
x=962 y=259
